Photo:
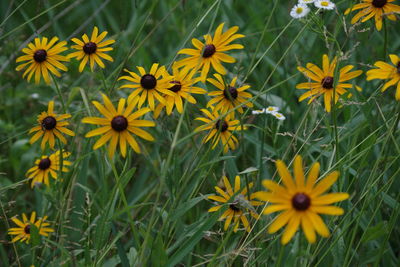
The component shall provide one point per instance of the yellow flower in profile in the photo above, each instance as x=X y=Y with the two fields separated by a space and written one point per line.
x=182 y=86
x=240 y=204
x=92 y=50
x=48 y=166
x=51 y=126
x=212 y=52
x=149 y=85
x=228 y=96
x=118 y=125
x=23 y=231
x=374 y=8
x=220 y=129
x=389 y=72
x=325 y=82
x=42 y=57
x=301 y=201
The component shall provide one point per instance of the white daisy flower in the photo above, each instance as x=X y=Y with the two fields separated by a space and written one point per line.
x=259 y=111
x=299 y=11
x=324 y=4
x=306 y=1
x=271 y=109
x=279 y=116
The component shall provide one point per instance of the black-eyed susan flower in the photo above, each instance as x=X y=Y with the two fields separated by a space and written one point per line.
x=92 y=50
x=51 y=126
x=389 y=72
x=48 y=166
x=228 y=96
x=43 y=56
x=301 y=201
x=239 y=204
x=118 y=125
x=212 y=52
x=23 y=231
x=182 y=86
x=324 y=81
x=150 y=86
x=220 y=129
x=374 y=9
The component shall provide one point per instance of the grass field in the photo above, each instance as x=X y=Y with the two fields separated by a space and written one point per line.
x=151 y=208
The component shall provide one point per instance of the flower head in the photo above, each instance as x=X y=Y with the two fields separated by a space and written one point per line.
x=374 y=9
x=279 y=116
x=51 y=126
x=148 y=85
x=118 y=125
x=43 y=56
x=389 y=72
x=212 y=52
x=23 y=231
x=228 y=96
x=48 y=166
x=324 y=81
x=220 y=129
x=306 y=1
x=240 y=204
x=324 y=4
x=92 y=50
x=301 y=201
x=271 y=110
x=299 y=11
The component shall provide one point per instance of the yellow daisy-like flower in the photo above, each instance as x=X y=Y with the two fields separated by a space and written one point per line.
x=92 y=50
x=239 y=204
x=50 y=126
x=47 y=165
x=42 y=57
x=301 y=201
x=386 y=71
x=228 y=96
x=220 y=129
x=324 y=81
x=118 y=125
x=149 y=85
x=182 y=86
x=23 y=231
x=212 y=52
x=374 y=8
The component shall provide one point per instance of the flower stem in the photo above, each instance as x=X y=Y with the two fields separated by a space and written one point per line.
x=385 y=41
x=59 y=94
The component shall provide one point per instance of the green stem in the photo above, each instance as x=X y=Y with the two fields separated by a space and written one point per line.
x=59 y=94
x=385 y=41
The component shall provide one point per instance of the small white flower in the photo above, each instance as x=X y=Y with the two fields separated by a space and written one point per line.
x=324 y=4
x=306 y=1
x=271 y=109
x=35 y=95
x=259 y=111
x=299 y=11
x=279 y=116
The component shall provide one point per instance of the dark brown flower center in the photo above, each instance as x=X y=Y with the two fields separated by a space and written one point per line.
x=44 y=164
x=40 y=55
x=49 y=123
x=119 y=123
x=230 y=93
x=379 y=3
x=148 y=81
x=327 y=82
x=234 y=207
x=301 y=201
x=221 y=125
x=209 y=50
x=89 y=48
x=27 y=229
x=176 y=87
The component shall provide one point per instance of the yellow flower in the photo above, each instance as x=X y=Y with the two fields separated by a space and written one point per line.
x=182 y=86
x=212 y=52
x=148 y=85
x=239 y=204
x=118 y=125
x=50 y=126
x=228 y=96
x=324 y=81
x=220 y=129
x=386 y=71
x=374 y=8
x=92 y=50
x=42 y=57
x=301 y=201
x=47 y=165
x=23 y=231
